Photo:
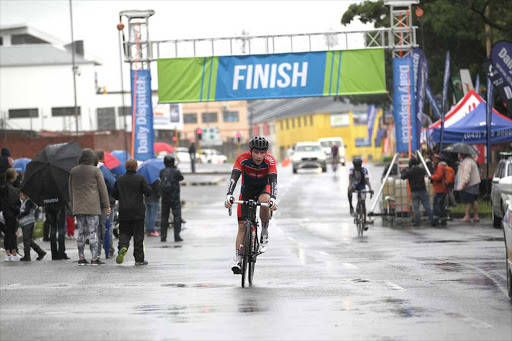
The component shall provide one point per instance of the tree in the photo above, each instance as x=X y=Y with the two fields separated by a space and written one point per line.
x=455 y=25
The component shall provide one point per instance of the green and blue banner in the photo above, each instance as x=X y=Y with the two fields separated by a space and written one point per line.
x=142 y=120
x=325 y=73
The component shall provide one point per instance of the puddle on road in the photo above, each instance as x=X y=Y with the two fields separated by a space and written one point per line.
x=482 y=281
x=167 y=247
x=449 y=266
x=251 y=306
x=402 y=309
x=178 y=313
x=442 y=241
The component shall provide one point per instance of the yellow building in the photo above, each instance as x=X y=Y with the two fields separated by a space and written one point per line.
x=309 y=119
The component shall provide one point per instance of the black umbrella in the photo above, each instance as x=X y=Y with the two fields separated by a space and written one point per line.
x=47 y=175
x=462 y=148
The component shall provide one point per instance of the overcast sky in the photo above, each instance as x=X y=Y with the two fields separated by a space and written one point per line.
x=95 y=22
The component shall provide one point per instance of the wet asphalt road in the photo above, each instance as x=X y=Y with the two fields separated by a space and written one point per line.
x=318 y=280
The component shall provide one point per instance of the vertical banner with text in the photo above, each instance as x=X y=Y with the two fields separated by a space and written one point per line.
x=421 y=77
x=404 y=105
x=142 y=120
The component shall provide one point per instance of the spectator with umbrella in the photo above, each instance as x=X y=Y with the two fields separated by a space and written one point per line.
x=130 y=189
x=106 y=162
x=46 y=184
x=89 y=196
x=467 y=180
x=10 y=207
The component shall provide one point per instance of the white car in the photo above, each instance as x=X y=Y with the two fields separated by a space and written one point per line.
x=498 y=199
x=212 y=156
x=309 y=155
x=328 y=142
x=182 y=154
x=506 y=188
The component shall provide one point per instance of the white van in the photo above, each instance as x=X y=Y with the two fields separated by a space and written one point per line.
x=328 y=142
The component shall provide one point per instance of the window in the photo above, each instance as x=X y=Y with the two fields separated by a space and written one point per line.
x=509 y=171
x=281 y=125
x=106 y=118
x=23 y=113
x=230 y=116
x=293 y=123
x=190 y=118
x=209 y=117
x=305 y=121
x=360 y=118
x=124 y=111
x=311 y=120
x=298 y=122
x=287 y=124
x=65 y=111
x=1 y=41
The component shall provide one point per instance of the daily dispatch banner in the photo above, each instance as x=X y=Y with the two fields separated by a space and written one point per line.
x=143 y=133
x=325 y=73
x=404 y=105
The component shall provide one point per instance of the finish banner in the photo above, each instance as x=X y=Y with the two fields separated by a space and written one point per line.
x=404 y=105
x=325 y=73
x=142 y=118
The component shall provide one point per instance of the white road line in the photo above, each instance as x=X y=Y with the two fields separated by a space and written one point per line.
x=349 y=266
x=394 y=286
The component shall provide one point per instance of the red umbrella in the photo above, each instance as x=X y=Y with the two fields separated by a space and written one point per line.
x=163 y=147
x=111 y=161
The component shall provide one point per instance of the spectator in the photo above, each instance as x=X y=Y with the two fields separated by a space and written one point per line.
x=70 y=223
x=26 y=219
x=192 y=152
x=46 y=227
x=170 y=178
x=440 y=190
x=110 y=180
x=416 y=176
x=56 y=214
x=5 y=163
x=130 y=190
x=152 y=203
x=10 y=207
x=88 y=195
x=467 y=182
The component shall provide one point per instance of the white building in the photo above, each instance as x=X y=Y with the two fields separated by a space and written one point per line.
x=36 y=86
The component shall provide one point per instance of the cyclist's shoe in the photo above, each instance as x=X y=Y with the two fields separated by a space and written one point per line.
x=264 y=243
x=120 y=256
x=352 y=211
x=237 y=268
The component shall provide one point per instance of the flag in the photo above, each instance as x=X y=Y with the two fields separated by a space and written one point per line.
x=445 y=95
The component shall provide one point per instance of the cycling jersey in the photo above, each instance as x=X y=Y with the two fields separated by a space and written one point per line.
x=359 y=177
x=254 y=176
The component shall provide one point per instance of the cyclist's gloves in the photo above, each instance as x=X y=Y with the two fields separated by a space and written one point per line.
x=371 y=193
x=229 y=201
x=272 y=204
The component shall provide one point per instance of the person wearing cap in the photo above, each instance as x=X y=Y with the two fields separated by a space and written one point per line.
x=415 y=174
x=440 y=190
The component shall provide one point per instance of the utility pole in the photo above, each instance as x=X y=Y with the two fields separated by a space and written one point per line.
x=120 y=27
x=73 y=62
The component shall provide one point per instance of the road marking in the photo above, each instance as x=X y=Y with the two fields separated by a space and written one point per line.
x=349 y=266
x=394 y=286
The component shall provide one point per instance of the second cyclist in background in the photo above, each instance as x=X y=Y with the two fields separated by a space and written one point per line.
x=358 y=179
x=259 y=182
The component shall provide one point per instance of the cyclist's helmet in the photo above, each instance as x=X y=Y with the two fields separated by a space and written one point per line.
x=357 y=162
x=258 y=143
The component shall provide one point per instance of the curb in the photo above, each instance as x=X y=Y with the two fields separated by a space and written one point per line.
x=203 y=183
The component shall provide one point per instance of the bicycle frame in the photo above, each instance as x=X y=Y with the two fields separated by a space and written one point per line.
x=360 y=216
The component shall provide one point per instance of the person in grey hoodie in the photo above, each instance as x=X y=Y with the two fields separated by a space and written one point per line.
x=88 y=195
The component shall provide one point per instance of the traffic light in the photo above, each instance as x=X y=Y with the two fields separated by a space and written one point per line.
x=175 y=138
x=199 y=133
x=238 y=137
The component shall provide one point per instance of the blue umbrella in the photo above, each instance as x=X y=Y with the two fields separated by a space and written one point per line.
x=150 y=169
x=21 y=164
x=122 y=156
x=106 y=240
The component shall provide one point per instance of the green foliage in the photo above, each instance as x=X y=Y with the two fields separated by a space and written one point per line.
x=455 y=25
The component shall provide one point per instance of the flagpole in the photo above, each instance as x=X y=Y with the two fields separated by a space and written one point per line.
x=490 y=96
x=445 y=95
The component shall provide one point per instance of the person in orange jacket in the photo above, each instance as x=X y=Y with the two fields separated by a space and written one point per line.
x=441 y=190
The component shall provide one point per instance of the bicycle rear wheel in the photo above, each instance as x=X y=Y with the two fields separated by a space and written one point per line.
x=360 y=220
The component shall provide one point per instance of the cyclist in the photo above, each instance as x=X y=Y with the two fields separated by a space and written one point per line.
x=259 y=180
x=358 y=178
x=335 y=156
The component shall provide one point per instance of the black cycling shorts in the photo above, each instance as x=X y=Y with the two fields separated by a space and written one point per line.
x=248 y=194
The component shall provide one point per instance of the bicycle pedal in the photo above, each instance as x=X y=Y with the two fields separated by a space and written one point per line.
x=369 y=222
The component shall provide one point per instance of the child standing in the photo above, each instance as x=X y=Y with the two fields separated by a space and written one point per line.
x=26 y=219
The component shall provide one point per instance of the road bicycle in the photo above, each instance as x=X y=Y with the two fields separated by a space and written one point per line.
x=251 y=244
x=360 y=214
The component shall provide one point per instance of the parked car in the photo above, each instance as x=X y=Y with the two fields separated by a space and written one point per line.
x=506 y=185
x=309 y=155
x=212 y=156
x=328 y=142
x=499 y=200
x=182 y=154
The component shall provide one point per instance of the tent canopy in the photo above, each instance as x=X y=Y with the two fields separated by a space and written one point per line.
x=472 y=128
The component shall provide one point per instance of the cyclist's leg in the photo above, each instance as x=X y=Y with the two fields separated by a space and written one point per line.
x=265 y=218
x=350 y=201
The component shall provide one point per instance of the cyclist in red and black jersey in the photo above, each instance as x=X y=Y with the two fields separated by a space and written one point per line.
x=259 y=181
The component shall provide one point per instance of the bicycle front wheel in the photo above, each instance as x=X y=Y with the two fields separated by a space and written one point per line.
x=246 y=252
x=252 y=258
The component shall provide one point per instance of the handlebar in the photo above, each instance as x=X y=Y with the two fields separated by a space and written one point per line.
x=248 y=202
